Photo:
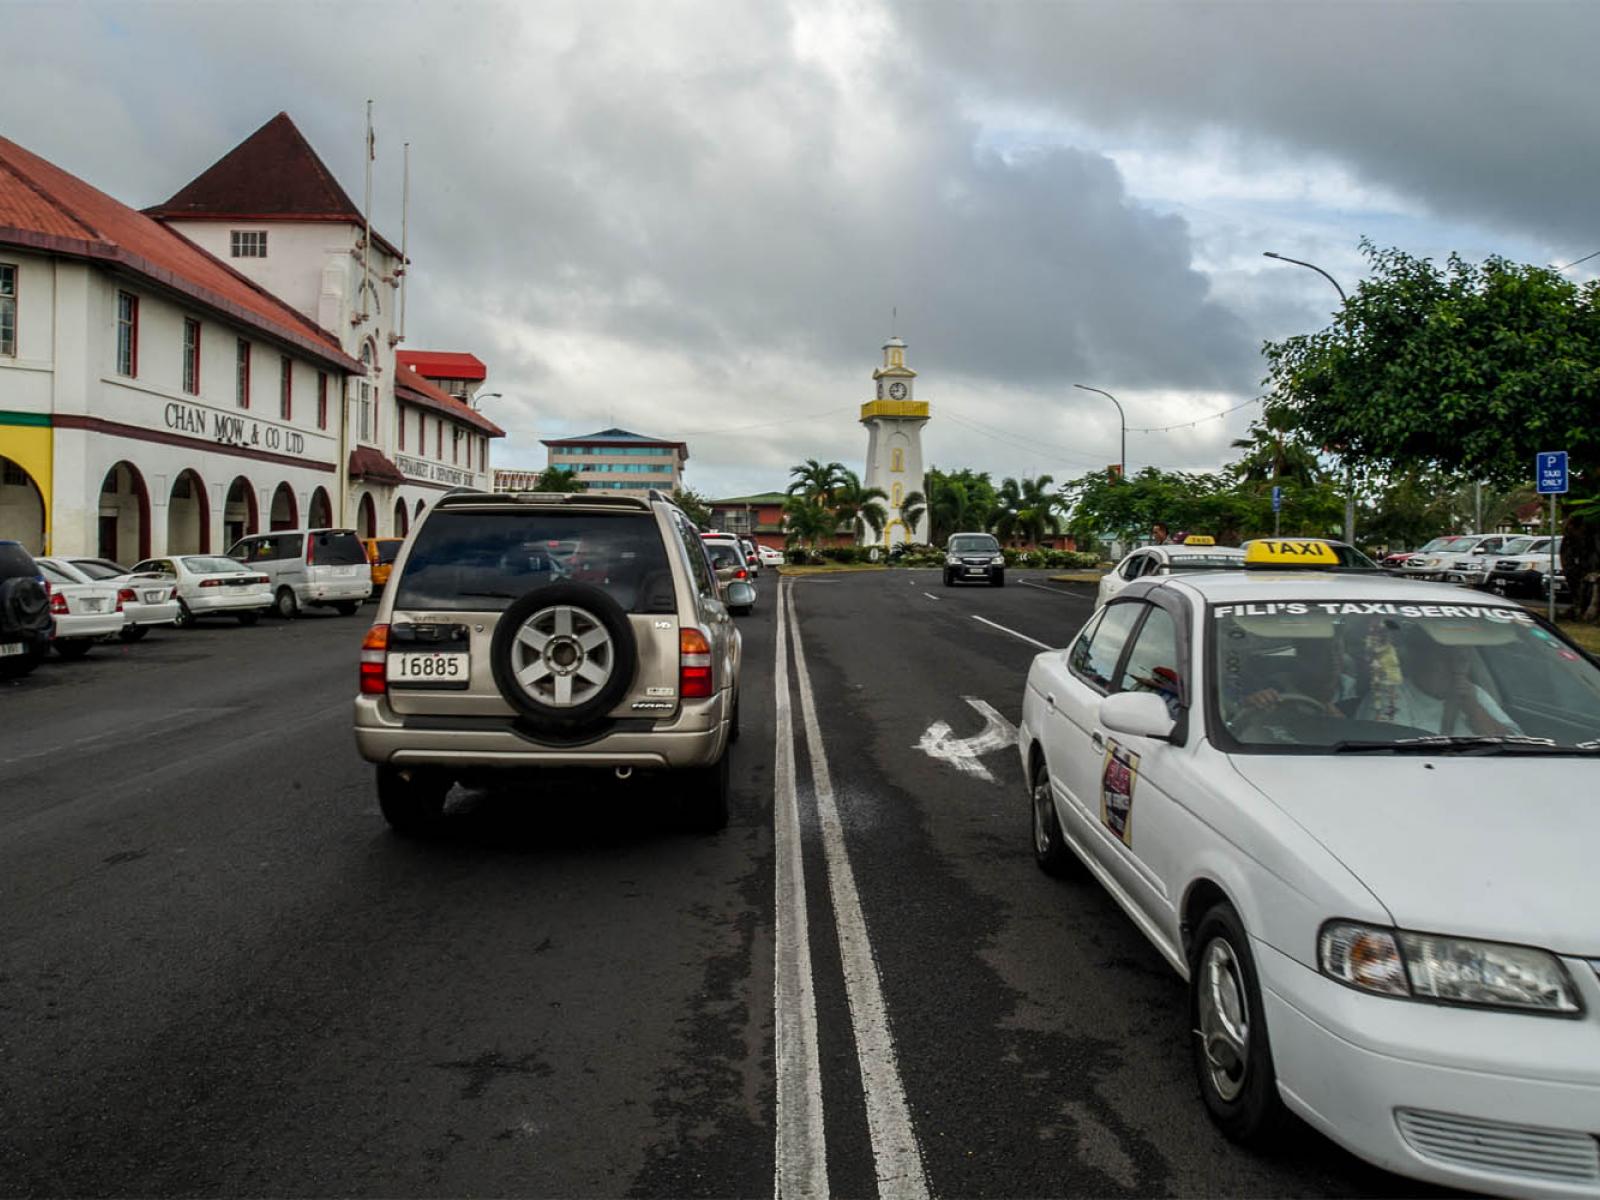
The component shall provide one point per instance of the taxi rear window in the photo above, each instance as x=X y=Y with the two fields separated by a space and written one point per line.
x=464 y=560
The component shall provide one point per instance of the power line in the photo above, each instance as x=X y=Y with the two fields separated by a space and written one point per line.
x=1190 y=424
x=827 y=412
x=1576 y=261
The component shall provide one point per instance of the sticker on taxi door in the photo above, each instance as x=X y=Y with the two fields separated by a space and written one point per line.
x=1117 y=783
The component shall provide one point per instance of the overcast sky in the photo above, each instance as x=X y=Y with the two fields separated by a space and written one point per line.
x=694 y=219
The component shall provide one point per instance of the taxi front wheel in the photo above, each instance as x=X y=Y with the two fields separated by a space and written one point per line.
x=1232 y=1056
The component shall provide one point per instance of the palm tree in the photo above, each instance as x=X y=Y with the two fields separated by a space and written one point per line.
x=856 y=507
x=805 y=520
x=912 y=506
x=816 y=480
x=1028 y=510
x=1273 y=454
x=558 y=479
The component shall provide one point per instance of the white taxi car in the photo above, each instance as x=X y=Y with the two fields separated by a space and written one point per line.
x=1357 y=814
x=84 y=613
x=210 y=585
x=1195 y=554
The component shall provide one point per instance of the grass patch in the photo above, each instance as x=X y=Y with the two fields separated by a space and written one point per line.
x=829 y=568
x=1587 y=636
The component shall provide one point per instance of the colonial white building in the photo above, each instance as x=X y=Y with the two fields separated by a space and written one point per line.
x=172 y=380
x=274 y=211
x=894 y=422
x=151 y=399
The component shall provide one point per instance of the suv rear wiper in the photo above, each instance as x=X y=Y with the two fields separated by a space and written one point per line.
x=1510 y=743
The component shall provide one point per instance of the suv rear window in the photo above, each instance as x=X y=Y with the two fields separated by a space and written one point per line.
x=15 y=561
x=335 y=549
x=481 y=561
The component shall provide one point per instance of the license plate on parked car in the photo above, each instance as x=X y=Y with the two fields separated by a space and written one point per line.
x=91 y=604
x=152 y=597
x=430 y=668
x=8 y=649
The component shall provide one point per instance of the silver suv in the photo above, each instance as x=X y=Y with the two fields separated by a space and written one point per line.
x=536 y=631
x=309 y=566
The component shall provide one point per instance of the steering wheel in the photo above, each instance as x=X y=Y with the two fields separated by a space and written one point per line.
x=1298 y=701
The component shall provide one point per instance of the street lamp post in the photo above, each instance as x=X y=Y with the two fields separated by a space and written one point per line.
x=484 y=396
x=1349 y=470
x=1122 y=466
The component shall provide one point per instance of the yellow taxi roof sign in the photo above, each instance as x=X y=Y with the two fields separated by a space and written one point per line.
x=1199 y=539
x=1277 y=552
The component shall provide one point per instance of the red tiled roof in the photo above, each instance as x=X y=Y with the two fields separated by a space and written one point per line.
x=414 y=389
x=367 y=463
x=443 y=364
x=44 y=208
x=273 y=174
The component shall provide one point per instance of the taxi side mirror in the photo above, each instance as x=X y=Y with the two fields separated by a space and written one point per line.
x=1140 y=714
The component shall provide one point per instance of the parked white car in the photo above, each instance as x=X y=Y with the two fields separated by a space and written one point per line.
x=769 y=557
x=147 y=601
x=84 y=613
x=1167 y=560
x=210 y=585
x=309 y=566
x=1303 y=787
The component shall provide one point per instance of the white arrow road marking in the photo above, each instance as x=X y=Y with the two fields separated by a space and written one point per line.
x=965 y=754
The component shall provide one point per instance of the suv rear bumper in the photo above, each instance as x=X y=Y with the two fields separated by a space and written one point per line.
x=696 y=737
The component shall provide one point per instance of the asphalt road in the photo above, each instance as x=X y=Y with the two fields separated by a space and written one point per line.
x=221 y=975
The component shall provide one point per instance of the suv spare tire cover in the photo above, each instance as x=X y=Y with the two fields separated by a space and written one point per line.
x=562 y=621
x=24 y=606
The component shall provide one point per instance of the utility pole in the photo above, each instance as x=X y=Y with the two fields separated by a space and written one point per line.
x=1122 y=463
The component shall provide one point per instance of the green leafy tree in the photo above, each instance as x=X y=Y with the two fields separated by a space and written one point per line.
x=695 y=506
x=1466 y=368
x=557 y=479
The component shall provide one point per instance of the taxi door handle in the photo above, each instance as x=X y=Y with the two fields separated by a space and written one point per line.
x=1097 y=741
x=1050 y=699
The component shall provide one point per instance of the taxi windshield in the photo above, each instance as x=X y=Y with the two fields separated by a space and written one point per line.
x=1335 y=676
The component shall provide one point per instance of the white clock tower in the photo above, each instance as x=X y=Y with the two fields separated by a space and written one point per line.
x=894 y=424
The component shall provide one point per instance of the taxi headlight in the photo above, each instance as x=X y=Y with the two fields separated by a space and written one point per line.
x=1454 y=970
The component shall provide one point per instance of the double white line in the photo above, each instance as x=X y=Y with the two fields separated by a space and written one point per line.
x=801 y=1166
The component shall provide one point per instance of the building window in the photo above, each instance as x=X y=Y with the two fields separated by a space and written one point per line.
x=483 y=454
x=286 y=388
x=438 y=440
x=127 y=334
x=897 y=459
x=364 y=404
x=191 y=356
x=422 y=432
x=242 y=373
x=455 y=445
x=322 y=399
x=8 y=309
x=897 y=494
x=249 y=243
x=400 y=427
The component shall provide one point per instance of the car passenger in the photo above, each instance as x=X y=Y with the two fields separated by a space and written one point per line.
x=1433 y=691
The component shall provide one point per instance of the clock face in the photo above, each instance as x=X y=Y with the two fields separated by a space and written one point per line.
x=897 y=390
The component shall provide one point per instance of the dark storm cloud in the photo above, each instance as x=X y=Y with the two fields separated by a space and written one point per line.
x=1482 y=111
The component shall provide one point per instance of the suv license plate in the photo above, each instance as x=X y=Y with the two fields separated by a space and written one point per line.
x=438 y=670
x=8 y=649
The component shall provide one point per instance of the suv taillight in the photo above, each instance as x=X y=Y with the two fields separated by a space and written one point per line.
x=694 y=665
x=58 y=603
x=311 y=549
x=374 y=649
x=741 y=573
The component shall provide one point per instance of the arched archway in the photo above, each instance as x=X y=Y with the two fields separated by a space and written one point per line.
x=367 y=517
x=188 y=515
x=22 y=509
x=285 y=512
x=124 y=515
x=321 y=515
x=240 y=513
x=402 y=519
x=420 y=507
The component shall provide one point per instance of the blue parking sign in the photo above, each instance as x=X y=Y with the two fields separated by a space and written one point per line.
x=1550 y=471
x=1277 y=498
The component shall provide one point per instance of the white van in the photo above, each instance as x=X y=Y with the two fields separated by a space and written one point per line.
x=309 y=566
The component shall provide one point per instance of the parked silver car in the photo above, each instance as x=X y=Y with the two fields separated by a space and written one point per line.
x=309 y=567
